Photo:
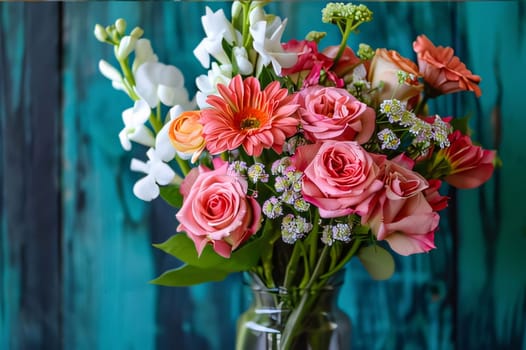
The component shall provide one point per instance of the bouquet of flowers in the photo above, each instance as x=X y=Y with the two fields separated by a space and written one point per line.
x=292 y=159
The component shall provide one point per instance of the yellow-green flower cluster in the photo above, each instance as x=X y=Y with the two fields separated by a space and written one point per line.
x=365 y=52
x=340 y=13
x=315 y=36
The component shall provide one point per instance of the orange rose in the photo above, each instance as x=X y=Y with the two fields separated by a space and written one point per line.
x=185 y=133
x=385 y=67
x=443 y=72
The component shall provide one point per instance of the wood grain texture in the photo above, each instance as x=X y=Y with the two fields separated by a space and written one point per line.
x=30 y=275
x=75 y=257
x=492 y=280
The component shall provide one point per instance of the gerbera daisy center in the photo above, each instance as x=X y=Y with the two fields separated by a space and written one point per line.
x=251 y=118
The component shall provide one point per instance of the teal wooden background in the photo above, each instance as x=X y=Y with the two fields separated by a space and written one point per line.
x=75 y=253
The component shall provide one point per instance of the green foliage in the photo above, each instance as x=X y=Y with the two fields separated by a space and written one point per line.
x=171 y=195
x=216 y=267
x=188 y=275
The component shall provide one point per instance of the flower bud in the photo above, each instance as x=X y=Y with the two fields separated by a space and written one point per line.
x=137 y=32
x=109 y=71
x=120 y=25
x=236 y=9
x=100 y=33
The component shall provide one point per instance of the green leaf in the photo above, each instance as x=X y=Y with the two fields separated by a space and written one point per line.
x=377 y=261
x=171 y=195
x=183 y=248
x=188 y=275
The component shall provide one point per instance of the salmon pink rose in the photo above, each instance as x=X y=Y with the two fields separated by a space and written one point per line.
x=384 y=69
x=443 y=72
x=401 y=215
x=185 y=133
x=338 y=177
x=408 y=225
x=329 y=113
x=217 y=210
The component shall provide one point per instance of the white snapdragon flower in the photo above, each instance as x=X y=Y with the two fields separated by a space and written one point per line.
x=267 y=42
x=157 y=173
x=134 y=128
x=216 y=27
x=163 y=146
x=207 y=84
x=159 y=82
x=143 y=53
x=110 y=72
x=243 y=63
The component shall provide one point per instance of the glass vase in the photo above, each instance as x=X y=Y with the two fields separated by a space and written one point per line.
x=322 y=325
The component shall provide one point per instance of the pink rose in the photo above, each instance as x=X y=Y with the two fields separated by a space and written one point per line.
x=469 y=165
x=329 y=113
x=384 y=69
x=217 y=210
x=338 y=177
x=308 y=55
x=400 y=181
x=443 y=72
x=401 y=215
x=310 y=64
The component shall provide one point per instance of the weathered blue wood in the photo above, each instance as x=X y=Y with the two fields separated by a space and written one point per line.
x=108 y=303
x=467 y=294
x=492 y=281
x=30 y=275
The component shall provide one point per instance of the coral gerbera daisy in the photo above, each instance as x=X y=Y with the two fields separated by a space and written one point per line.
x=243 y=114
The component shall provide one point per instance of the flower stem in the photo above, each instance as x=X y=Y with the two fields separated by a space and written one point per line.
x=343 y=43
x=313 y=239
x=420 y=107
x=246 y=24
x=292 y=264
x=155 y=123
x=183 y=165
x=348 y=256
x=309 y=296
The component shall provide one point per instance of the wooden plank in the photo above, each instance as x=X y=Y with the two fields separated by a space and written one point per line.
x=107 y=253
x=492 y=281
x=30 y=274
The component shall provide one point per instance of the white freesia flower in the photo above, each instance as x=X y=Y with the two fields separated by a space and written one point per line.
x=267 y=42
x=217 y=27
x=157 y=173
x=126 y=46
x=207 y=84
x=134 y=128
x=112 y=74
x=143 y=53
x=159 y=82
